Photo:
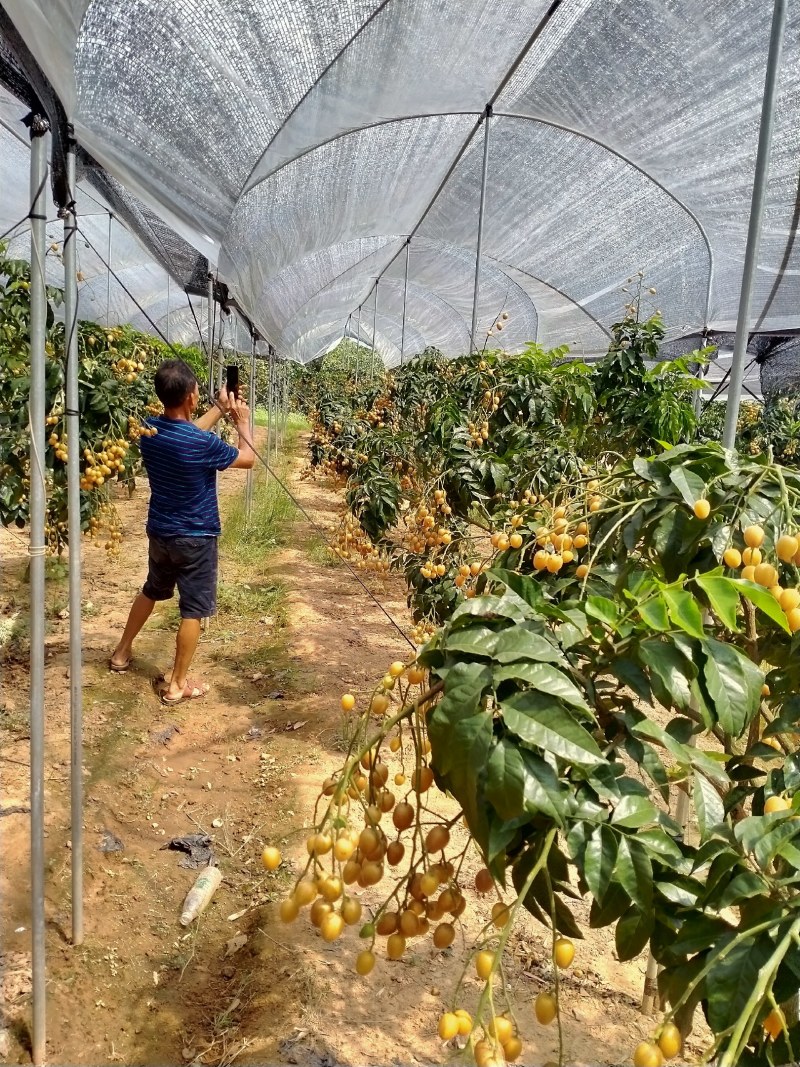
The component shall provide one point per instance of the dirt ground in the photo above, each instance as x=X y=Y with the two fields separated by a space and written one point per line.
x=243 y=765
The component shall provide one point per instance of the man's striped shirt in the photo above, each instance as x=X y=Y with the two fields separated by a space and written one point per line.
x=181 y=462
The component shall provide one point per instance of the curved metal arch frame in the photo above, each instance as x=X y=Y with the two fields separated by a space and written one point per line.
x=544 y=122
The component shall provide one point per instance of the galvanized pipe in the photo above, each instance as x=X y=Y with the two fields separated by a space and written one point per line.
x=405 y=299
x=358 y=349
x=481 y=215
x=374 y=332
x=756 y=215
x=210 y=339
x=37 y=414
x=252 y=404
x=73 y=423
x=108 y=272
x=168 y=307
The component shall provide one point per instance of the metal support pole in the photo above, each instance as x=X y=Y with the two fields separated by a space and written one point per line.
x=273 y=395
x=168 y=308
x=756 y=214
x=252 y=403
x=405 y=298
x=285 y=402
x=36 y=411
x=481 y=214
x=74 y=524
x=108 y=273
x=210 y=340
x=374 y=331
x=358 y=349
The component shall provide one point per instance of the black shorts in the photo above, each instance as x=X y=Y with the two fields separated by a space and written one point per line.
x=191 y=564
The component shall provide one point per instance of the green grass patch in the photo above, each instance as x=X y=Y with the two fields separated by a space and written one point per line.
x=318 y=552
x=250 y=541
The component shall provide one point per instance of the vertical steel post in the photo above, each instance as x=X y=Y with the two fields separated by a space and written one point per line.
x=756 y=215
x=108 y=272
x=405 y=299
x=210 y=340
x=74 y=525
x=481 y=214
x=36 y=414
x=374 y=331
x=168 y=307
x=358 y=349
x=252 y=403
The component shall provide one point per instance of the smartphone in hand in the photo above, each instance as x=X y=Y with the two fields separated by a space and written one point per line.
x=232 y=381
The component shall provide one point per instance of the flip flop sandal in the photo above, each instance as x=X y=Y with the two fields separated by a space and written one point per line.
x=120 y=668
x=190 y=692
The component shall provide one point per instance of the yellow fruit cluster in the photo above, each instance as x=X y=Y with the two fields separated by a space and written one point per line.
x=136 y=430
x=59 y=446
x=755 y=568
x=353 y=544
x=478 y=434
x=128 y=369
x=103 y=463
x=424 y=531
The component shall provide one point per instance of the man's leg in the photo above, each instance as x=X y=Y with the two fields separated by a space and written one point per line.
x=141 y=610
x=185 y=646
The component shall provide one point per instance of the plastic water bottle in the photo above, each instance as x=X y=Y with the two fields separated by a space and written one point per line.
x=200 y=894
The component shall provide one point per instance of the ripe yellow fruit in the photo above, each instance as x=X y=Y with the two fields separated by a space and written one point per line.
x=776 y=804
x=444 y=935
x=515 y=540
x=752 y=557
x=749 y=573
x=429 y=884
x=348 y=702
x=512 y=1049
x=331 y=888
x=331 y=927
x=448 y=1026
x=351 y=910
x=305 y=892
x=581 y=571
x=546 y=1008
x=753 y=536
x=790 y=598
x=646 y=1054
x=776 y=592
x=500 y=914
x=540 y=559
x=732 y=558
x=380 y=704
x=395 y=946
x=563 y=952
x=793 y=619
x=464 y=1022
x=271 y=858
x=701 y=509
x=416 y=675
x=787 y=548
x=484 y=962
x=343 y=849
x=554 y=563
x=289 y=910
x=365 y=961
x=766 y=575
x=319 y=909
x=322 y=844
x=775 y=1023
x=501 y=1028
x=422 y=780
x=670 y=1041
x=437 y=839
x=396 y=669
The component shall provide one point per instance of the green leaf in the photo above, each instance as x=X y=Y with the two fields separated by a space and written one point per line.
x=690 y=485
x=634 y=872
x=722 y=596
x=708 y=805
x=599 y=860
x=550 y=727
x=684 y=612
x=474 y=640
x=600 y=607
x=763 y=600
x=670 y=671
x=633 y=812
x=745 y=886
x=546 y=678
x=732 y=978
x=653 y=611
x=518 y=781
x=633 y=932
x=522 y=643
x=734 y=684
x=506 y=607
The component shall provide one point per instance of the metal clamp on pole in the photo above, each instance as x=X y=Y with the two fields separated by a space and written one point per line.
x=756 y=215
x=74 y=527
x=481 y=213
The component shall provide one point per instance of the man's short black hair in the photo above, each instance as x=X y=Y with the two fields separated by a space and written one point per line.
x=174 y=381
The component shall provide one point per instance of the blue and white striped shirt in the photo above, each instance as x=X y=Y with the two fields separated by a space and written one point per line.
x=181 y=463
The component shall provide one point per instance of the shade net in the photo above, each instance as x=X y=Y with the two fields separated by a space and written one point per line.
x=298 y=144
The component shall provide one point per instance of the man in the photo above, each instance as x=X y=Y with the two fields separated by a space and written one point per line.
x=182 y=459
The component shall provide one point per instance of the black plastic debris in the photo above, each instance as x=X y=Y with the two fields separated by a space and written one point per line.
x=197 y=847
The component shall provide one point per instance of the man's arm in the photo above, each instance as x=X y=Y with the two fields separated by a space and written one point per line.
x=240 y=415
x=215 y=412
